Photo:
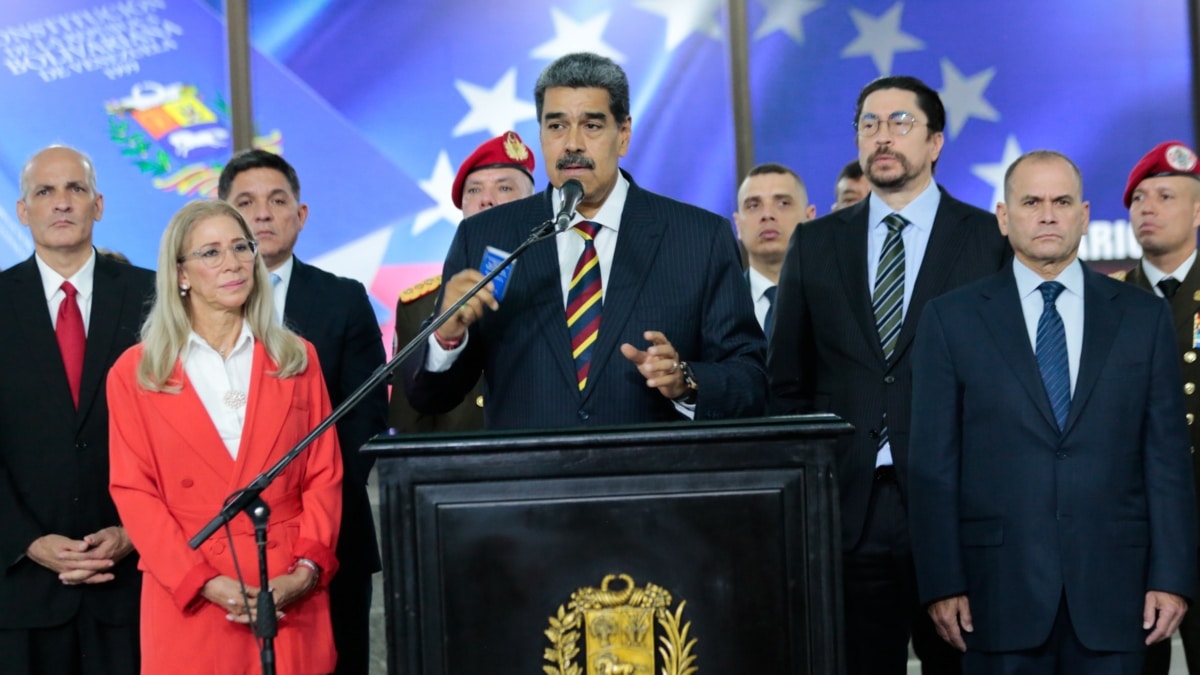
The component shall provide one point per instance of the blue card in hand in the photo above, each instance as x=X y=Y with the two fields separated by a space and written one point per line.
x=491 y=258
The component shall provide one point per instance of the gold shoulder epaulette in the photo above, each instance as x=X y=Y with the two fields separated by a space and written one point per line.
x=418 y=291
x=1119 y=275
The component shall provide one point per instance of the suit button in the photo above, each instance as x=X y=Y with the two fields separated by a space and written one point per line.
x=218 y=548
x=186 y=482
x=81 y=445
x=889 y=379
x=583 y=415
x=1189 y=388
x=1060 y=455
x=272 y=544
x=479 y=401
x=1189 y=356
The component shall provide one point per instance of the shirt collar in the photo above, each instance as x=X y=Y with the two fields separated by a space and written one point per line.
x=244 y=341
x=285 y=270
x=920 y=212
x=1155 y=275
x=1028 y=281
x=82 y=280
x=609 y=215
x=758 y=283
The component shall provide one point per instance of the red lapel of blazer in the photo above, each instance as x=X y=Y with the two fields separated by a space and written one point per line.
x=267 y=408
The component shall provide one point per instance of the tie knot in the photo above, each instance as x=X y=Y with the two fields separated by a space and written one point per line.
x=587 y=229
x=275 y=279
x=1050 y=291
x=1169 y=286
x=769 y=294
x=69 y=289
x=895 y=222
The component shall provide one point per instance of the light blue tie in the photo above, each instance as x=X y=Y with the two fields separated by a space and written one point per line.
x=1052 y=353
x=275 y=279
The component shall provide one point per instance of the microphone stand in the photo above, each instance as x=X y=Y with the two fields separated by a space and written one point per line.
x=247 y=499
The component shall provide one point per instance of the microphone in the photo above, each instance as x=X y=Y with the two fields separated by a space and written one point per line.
x=572 y=194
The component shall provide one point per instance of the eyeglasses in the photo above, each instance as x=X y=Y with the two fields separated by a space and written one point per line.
x=211 y=256
x=898 y=123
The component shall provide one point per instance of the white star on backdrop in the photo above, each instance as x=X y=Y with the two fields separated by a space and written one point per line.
x=963 y=97
x=880 y=38
x=495 y=110
x=685 y=17
x=993 y=174
x=786 y=16
x=571 y=36
x=438 y=188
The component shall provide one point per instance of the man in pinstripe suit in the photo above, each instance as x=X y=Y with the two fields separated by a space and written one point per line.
x=676 y=337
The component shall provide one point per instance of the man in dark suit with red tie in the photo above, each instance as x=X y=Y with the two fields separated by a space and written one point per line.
x=853 y=285
x=69 y=589
x=334 y=314
x=1051 y=501
x=639 y=313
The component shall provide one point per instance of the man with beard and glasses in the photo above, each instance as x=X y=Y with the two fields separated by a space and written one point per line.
x=850 y=293
x=638 y=313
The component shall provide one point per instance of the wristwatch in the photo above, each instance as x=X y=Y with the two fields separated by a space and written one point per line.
x=689 y=380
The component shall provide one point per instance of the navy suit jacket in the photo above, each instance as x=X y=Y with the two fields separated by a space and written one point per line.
x=825 y=354
x=675 y=269
x=54 y=458
x=334 y=314
x=1009 y=511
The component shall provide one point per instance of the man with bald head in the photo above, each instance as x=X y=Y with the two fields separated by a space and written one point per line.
x=1163 y=197
x=70 y=586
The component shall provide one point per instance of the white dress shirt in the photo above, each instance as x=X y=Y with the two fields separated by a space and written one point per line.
x=279 y=292
x=1069 y=305
x=84 y=282
x=1155 y=275
x=222 y=383
x=758 y=293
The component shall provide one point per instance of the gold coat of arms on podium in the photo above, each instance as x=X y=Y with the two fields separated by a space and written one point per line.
x=618 y=631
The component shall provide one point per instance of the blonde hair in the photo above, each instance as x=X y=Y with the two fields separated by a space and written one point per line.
x=165 y=332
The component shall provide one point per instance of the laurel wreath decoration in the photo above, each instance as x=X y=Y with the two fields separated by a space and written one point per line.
x=566 y=627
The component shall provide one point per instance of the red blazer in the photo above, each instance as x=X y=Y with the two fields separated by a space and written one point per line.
x=170 y=473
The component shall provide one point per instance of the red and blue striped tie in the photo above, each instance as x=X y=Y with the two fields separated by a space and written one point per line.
x=585 y=302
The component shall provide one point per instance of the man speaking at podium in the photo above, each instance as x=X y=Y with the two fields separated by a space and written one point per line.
x=638 y=313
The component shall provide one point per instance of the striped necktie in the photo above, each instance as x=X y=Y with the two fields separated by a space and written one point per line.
x=1051 y=349
x=888 y=298
x=585 y=302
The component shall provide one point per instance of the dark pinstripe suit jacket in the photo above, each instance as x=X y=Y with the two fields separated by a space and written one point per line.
x=675 y=270
x=825 y=352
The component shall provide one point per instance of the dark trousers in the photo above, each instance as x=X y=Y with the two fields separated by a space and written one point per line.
x=1061 y=654
x=350 y=611
x=82 y=646
x=880 y=594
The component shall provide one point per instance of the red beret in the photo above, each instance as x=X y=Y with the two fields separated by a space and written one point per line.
x=505 y=150
x=1172 y=158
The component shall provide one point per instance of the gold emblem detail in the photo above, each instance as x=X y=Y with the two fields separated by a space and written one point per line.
x=618 y=631
x=1189 y=356
x=514 y=148
x=479 y=401
x=1119 y=275
x=418 y=291
x=1189 y=388
x=1190 y=418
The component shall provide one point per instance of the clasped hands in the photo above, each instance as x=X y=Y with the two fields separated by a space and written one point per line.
x=82 y=561
x=226 y=593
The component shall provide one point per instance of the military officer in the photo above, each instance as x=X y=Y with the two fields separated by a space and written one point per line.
x=1163 y=196
x=499 y=171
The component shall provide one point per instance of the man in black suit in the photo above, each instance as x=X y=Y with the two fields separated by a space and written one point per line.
x=639 y=313
x=852 y=287
x=70 y=585
x=1163 y=198
x=335 y=315
x=1052 y=505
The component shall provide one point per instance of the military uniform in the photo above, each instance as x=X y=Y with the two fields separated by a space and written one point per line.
x=416 y=304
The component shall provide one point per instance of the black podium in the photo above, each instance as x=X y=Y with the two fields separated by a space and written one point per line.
x=673 y=548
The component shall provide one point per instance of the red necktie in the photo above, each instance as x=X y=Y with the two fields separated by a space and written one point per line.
x=71 y=339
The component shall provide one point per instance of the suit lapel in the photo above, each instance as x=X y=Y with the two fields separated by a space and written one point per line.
x=1100 y=324
x=1005 y=320
x=267 y=407
x=184 y=413
x=41 y=344
x=633 y=259
x=945 y=242
x=300 y=306
x=850 y=243
x=108 y=296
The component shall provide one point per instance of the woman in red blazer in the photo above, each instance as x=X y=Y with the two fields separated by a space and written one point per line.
x=216 y=393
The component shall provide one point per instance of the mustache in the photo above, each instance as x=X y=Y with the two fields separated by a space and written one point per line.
x=574 y=159
x=888 y=153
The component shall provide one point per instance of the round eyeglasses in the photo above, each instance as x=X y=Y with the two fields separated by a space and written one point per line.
x=898 y=123
x=211 y=256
